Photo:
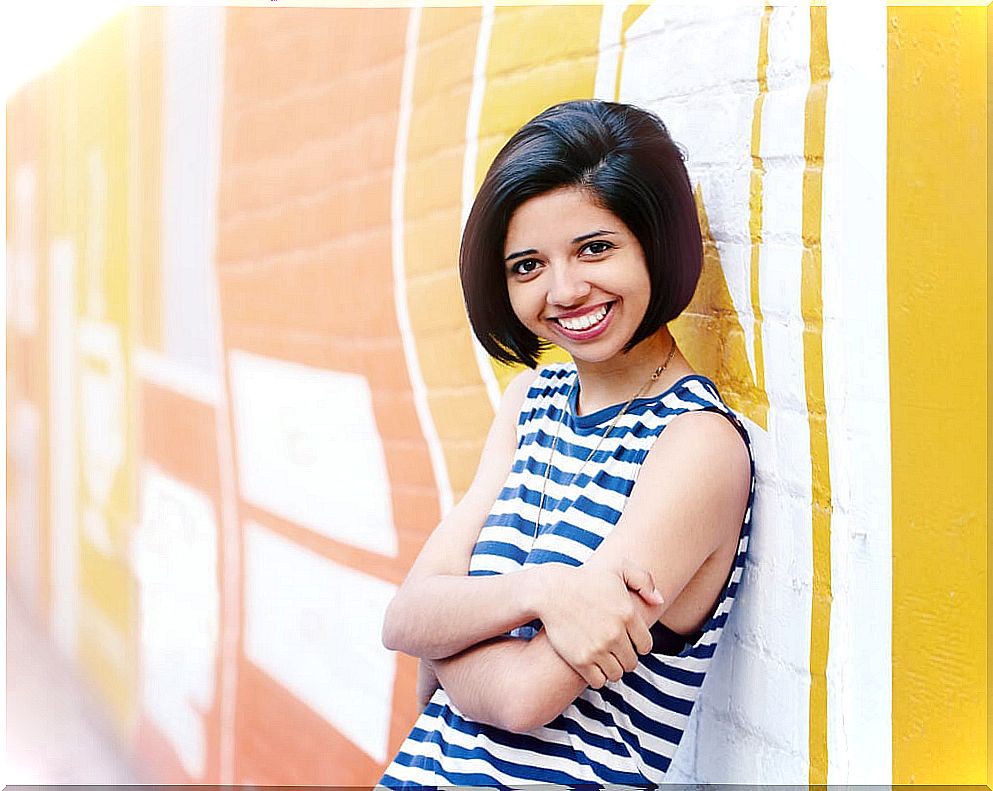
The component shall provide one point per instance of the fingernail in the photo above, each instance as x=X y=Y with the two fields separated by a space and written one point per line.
x=658 y=596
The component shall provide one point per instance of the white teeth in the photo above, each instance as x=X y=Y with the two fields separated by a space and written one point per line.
x=584 y=322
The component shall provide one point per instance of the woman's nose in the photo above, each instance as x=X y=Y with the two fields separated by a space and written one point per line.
x=568 y=285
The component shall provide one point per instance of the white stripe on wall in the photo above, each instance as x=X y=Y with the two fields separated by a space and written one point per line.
x=611 y=20
x=193 y=85
x=856 y=362
x=397 y=216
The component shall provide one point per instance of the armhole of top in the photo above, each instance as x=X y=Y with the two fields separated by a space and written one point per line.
x=734 y=420
x=527 y=403
x=665 y=640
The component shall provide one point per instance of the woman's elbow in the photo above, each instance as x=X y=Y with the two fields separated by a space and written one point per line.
x=524 y=723
x=548 y=690
x=390 y=633
x=386 y=637
x=526 y=713
x=513 y=715
x=514 y=711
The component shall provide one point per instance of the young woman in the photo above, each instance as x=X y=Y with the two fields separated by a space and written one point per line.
x=568 y=614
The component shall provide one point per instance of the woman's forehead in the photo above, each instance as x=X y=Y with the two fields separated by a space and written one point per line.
x=559 y=216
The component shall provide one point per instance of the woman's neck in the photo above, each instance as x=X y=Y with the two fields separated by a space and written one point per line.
x=616 y=380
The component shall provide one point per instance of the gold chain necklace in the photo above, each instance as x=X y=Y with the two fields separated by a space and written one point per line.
x=548 y=467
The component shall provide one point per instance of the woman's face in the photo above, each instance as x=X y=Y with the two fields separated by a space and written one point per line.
x=576 y=274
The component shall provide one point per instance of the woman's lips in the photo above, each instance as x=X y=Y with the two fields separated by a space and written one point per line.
x=589 y=332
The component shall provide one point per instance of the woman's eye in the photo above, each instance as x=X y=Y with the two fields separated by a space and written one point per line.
x=596 y=248
x=525 y=267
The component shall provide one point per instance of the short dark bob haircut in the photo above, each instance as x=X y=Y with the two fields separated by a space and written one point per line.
x=624 y=158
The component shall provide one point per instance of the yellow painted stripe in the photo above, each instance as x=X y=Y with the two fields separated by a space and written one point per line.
x=710 y=335
x=936 y=284
x=811 y=308
x=755 y=201
x=457 y=398
x=98 y=195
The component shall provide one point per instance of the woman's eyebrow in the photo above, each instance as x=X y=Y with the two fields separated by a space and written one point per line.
x=577 y=240
x=529 y=251
x=591 y=234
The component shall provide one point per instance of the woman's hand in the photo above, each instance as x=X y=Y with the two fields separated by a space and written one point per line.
x=427 y=683
x=592 y=618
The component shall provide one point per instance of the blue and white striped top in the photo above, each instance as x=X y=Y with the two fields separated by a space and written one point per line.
x=627 y=731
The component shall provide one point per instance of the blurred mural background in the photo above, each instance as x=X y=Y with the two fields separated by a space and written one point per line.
x=241 y=387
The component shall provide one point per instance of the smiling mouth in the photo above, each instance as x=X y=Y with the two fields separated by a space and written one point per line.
x=587 y=321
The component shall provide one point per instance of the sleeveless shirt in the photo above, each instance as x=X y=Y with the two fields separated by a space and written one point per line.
x=627 y=731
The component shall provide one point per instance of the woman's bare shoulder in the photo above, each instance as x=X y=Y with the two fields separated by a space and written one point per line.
x=706 y=447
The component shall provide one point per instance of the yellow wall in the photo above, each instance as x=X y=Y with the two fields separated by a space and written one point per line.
x=936 y=225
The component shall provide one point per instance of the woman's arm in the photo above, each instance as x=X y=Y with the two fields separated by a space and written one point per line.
x=690 y=498
x=515 y=685
x=439 y=610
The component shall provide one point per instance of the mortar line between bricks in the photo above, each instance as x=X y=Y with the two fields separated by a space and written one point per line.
x=330 y=252
x=335 y=186
x=338 y=85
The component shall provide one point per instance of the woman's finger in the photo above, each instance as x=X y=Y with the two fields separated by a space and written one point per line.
x=594 y=677
x=641 y=581
x=611 y=667
x=641 y=637
x=625 y=654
